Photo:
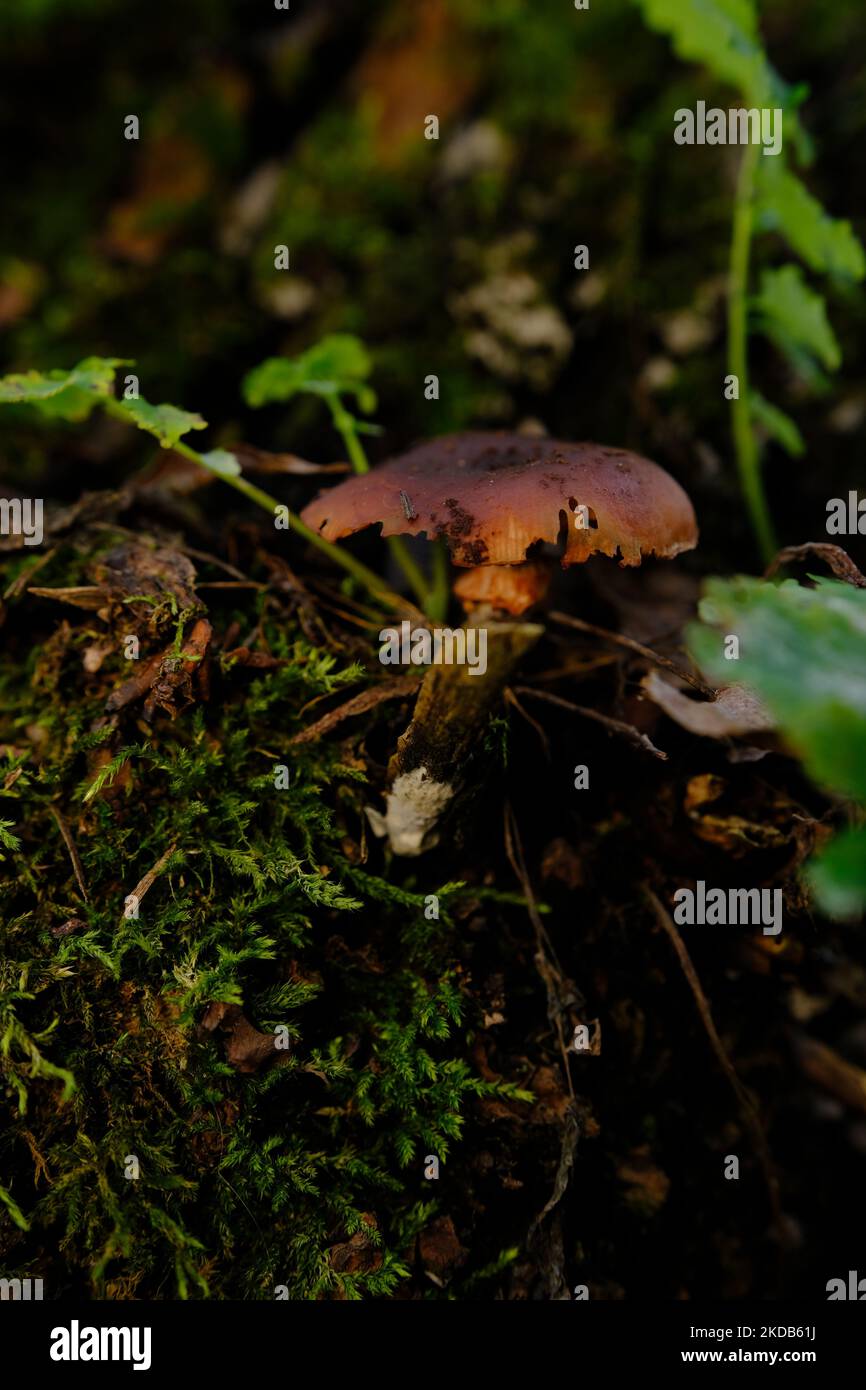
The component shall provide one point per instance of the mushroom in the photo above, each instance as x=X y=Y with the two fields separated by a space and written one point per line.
x=494 y=497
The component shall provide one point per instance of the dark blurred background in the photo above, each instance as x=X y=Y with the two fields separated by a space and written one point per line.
x=453 y=257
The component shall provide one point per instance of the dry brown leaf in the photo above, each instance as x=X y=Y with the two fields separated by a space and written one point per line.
x=254 y=460
x=733 y=712
x=439 y=1248
x=131 y=569
x=247 y=1049
x=87 y=596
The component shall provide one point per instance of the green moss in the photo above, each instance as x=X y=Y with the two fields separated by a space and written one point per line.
x=246 y=1181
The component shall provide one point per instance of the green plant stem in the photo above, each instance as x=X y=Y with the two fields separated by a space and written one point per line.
x=440 y=588
x=345 y=425
x=355 y=568
x=745 y=442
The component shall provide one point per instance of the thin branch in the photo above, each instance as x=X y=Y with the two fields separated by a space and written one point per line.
x=359 y=704
x=73 y=852
x=146 y=883
x=614 y=726
x=511 y=699
x=837 y=559
x=621 y=641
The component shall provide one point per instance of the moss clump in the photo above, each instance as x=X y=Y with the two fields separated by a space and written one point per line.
x=132 y=1044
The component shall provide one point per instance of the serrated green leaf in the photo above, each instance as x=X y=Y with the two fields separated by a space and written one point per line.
x=784 y=204
x=794 y=317
x=337 y=365
x=723 y=35
x=838 y=875
x=64 y=395
x=778 y=425
x=166 y=422
x=803 y=651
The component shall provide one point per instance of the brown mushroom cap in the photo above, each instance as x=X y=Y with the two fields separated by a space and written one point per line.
x=492 y=496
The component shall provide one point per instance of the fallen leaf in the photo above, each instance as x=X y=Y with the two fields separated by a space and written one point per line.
x=87 y=596
x=247 y=1049
x=439 y=1248
x=255 y=460
x=67 y=927
x=734 y=711
x=131 y=569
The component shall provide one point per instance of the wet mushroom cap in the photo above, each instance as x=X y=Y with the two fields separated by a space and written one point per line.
x=492 y=496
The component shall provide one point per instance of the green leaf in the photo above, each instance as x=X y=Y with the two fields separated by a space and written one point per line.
x=795 y=319
x=337 y=365
x=838 y=875
x=723 y=35
x=783 y=204
x=222 y=462
x=65 y=395
x=166 y=422
x=778 y=425
x=804 y=653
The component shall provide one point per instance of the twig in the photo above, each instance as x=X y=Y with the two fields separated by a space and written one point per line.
x=621 y=641
x=229 y=584
x=837 y=559
x=27 y=574
x=73 y=852
x=145 y=885
x=212 y=560
x=615 y=726
x=744 y=1099
x=511 y=699
x=359 y=704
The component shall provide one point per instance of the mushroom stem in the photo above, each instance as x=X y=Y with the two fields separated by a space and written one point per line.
x=511 y=589
x=436 y=762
